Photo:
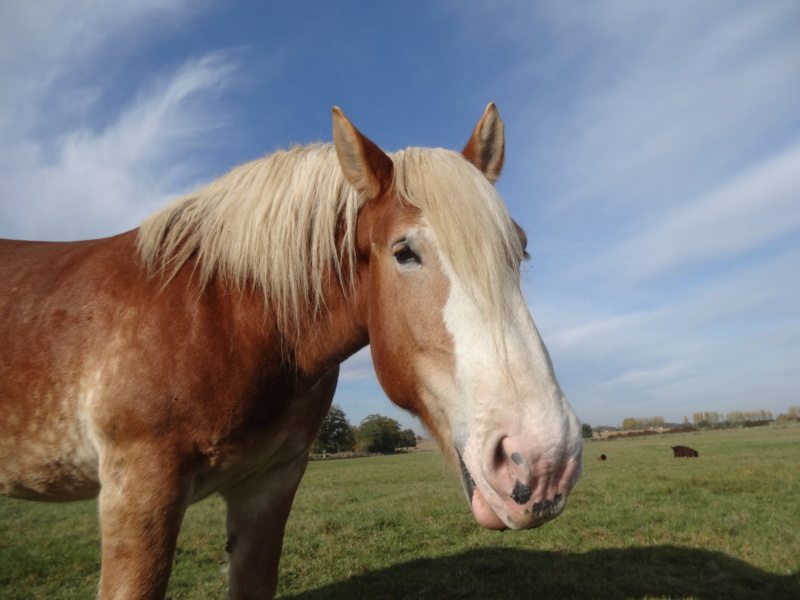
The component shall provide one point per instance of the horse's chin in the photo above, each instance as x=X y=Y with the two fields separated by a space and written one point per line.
x=484 y=514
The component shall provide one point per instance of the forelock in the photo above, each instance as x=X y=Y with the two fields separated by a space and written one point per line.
x=468 y=219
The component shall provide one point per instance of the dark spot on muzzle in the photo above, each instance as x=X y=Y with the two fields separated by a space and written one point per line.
x=546 y=508
x=466 y=478
x=517 y=458
x=521 y=493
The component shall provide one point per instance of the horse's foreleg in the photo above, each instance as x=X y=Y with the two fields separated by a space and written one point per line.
x=256 y=521
x=142 y=502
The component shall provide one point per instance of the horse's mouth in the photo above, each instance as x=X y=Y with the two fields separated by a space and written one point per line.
x=524 y=512
x=466 y=478
x=484 y=514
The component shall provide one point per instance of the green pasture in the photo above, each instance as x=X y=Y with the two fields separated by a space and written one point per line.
x=640 y=525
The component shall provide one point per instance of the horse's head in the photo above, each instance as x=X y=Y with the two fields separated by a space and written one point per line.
x=451 y=336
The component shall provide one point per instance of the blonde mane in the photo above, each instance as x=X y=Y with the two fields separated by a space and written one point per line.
x=272 y=224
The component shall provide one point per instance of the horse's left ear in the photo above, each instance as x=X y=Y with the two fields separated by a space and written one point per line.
x=365 y=166
x=486 y=148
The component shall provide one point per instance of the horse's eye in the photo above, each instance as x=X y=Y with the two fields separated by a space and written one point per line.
x=404 y=255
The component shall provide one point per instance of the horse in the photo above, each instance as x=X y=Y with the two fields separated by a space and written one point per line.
x=199 y=353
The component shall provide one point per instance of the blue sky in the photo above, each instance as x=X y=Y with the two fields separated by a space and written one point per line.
x=653 y=157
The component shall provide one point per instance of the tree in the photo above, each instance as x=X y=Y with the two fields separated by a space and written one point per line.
x=377 y=433
x=586 y=431
x=335 y=434
x=409 y=438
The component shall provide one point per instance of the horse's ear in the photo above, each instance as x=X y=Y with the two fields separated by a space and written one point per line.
x=486 y=148
x=365 y=166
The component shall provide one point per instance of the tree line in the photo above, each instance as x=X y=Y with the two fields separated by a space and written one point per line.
x=642 y=423
x=792 y=415
x=736 y=417
x=375 y=433
x=705 y=419
x=711 y=419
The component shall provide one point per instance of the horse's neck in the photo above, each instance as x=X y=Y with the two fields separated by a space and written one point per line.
x=308 y=347
x=338 y=330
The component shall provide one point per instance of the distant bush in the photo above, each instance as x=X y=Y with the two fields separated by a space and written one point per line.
x=377 y=433
x=335 y=434
x=636 y=434
x=792 y=415
x=632 y=434
x=408 y=439
x=684 y=429
x=642 y=422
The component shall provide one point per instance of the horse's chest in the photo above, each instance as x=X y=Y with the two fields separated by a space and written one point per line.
x=253 y=455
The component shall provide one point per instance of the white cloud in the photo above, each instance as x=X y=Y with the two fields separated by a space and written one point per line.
x=645 y=377
x=358 y=367
x=761 y=205
x=45 y=46
x=732 y=342
x=655 y=102
x=89 y=183
x=69 y=174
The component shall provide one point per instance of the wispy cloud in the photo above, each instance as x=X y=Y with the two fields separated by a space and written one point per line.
x=358 y=367
x=728 y=343
x=79 y=175
x=49 y=50
x=657 y=102
x=745 y=212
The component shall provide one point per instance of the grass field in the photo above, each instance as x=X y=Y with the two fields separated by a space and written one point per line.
x=641 y=525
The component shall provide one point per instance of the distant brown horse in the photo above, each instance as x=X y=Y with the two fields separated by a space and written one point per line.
x=200 y=353
x=684 y=452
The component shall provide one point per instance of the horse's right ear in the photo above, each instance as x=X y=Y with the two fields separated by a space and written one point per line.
x=486 y=148
x=365 y=166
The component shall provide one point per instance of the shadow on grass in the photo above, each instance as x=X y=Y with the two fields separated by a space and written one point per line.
x=610 y=574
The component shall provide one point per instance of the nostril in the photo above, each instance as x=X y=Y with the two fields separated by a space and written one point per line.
x=499 y=456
